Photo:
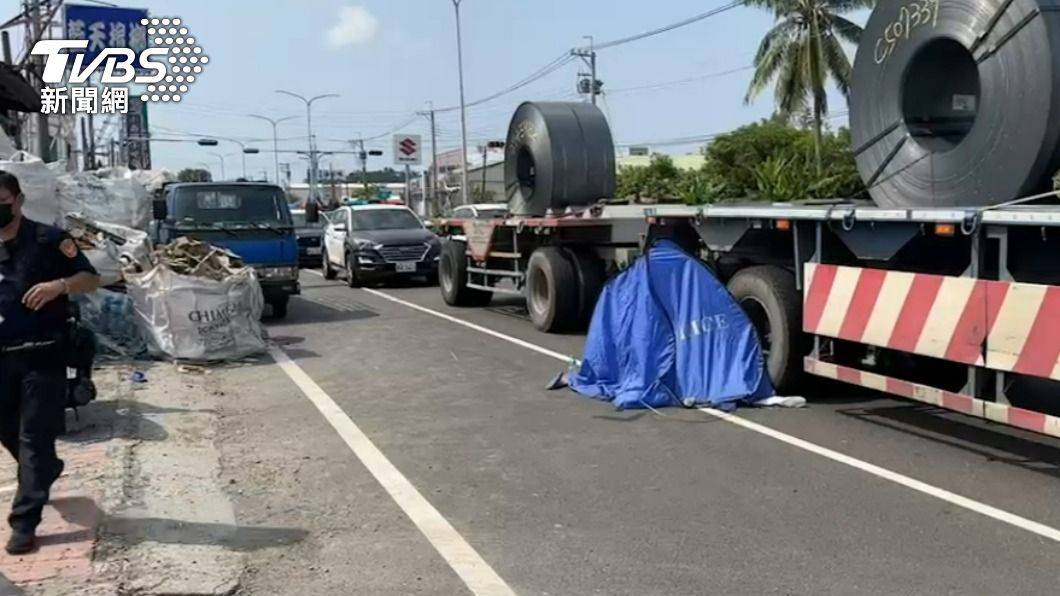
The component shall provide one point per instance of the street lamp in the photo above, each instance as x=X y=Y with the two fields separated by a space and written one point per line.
x=206 y=167
x=463 y=107
x=309 y=126
x=221 y=158
x=275 y=141
x=244 y=150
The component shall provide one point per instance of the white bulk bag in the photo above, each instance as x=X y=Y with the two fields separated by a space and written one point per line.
x=195 y=318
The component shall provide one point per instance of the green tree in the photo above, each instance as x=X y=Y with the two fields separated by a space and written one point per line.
x=771 y=160
x=801 y=52
x=194 y=175
x=659 y=180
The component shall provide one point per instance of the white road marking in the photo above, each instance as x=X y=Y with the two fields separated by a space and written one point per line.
x=912 y=483
x=901 y=479
x=479 y=328
x=475 y=572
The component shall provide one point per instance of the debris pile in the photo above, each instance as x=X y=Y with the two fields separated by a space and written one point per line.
x=198 y=259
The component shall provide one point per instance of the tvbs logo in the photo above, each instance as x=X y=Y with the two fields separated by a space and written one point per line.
x=167 y=68
x=118 y=65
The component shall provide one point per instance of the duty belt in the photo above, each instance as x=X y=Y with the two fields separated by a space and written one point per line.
x=28 y=346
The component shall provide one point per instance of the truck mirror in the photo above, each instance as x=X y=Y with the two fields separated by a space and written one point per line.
x=158 y=208
x=312 y=212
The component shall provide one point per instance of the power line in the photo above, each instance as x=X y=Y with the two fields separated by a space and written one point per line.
x=671 y=27
x=561 y=61
x=664 y=84
x=704 y=138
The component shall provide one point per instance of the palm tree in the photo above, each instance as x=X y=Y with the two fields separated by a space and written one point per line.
x=802 y=51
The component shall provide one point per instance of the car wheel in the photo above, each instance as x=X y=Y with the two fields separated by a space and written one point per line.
x=352 y=278
x=329 y=272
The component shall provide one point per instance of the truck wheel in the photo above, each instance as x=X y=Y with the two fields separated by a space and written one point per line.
x=352 y=279
x=329 y=272
x=279 y=308
x=452 y=277
x=592 y=275
x=552 y=291
x=768 y=295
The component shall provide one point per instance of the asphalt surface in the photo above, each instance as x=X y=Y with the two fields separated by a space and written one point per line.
x=563 y=495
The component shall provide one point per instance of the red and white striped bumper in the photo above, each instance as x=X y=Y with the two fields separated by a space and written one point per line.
x=1017 y=417
x=1012 y=327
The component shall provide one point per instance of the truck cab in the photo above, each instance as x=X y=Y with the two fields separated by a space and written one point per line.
x=250 y=219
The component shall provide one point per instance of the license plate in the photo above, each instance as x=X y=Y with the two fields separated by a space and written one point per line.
x=313 y=250
x=406 y=267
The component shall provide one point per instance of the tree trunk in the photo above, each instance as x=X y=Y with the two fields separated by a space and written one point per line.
x=817 y=137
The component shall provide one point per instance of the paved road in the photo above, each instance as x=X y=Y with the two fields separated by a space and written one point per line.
x=562 y=495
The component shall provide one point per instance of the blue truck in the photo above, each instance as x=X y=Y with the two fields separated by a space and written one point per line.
x=250 y=219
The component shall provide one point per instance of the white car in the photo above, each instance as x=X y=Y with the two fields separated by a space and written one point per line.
x=376 y=242
x=481 y=211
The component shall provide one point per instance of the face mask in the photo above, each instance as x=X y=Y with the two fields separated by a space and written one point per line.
x=7 y=215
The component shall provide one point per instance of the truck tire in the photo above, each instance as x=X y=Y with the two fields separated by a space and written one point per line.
x=552 y=291
x=452 y=277
x=769 y=297
x=592 y=275
x=329 y=272
x=279 y=308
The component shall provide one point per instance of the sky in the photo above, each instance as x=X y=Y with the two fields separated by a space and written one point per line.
x=389 y=58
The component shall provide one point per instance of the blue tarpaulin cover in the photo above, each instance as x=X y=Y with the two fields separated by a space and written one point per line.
x=666 y=332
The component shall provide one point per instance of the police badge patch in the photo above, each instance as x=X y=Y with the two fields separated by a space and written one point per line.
x=68 y=248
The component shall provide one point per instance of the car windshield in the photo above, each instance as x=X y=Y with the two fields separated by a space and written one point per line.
x=385 y=219
x=231 y=205
x=492 y=213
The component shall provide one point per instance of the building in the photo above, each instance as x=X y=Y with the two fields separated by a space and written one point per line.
x=339 y=190
x=692 y=161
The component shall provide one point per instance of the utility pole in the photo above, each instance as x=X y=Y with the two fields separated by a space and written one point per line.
x=15 y=122
x=408 y=185
x=91 y=142
x=463 y=106
x=363 y=155
x=36 y=29
x=589 y=56
x=485 y=159
x=435 y=195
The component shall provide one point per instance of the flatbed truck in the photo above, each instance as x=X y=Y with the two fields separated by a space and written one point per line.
x=956 y=308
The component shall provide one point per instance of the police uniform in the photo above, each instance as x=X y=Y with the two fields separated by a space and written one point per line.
x=32 y=362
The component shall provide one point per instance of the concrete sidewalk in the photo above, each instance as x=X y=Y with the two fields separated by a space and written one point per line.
x=140 y=508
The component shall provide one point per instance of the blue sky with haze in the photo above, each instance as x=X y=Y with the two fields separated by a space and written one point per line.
x=387 y=58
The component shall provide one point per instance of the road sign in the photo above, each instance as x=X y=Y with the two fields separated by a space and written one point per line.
x=105 y=27
x=408 y=150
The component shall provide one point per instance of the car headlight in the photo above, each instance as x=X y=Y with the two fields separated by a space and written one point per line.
x=273 y=273
x=364 y=244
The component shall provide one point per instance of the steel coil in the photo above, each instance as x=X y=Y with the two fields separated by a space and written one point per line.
x=558 y=155
x=957 y=102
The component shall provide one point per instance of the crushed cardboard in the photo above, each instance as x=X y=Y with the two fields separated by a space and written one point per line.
x=198 y=259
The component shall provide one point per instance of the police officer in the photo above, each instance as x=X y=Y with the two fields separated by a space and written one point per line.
x=40 y=267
